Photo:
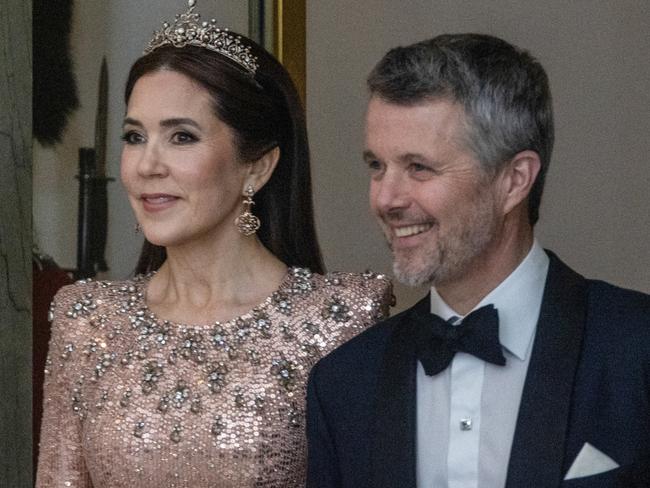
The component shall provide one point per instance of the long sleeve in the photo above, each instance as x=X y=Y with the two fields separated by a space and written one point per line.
x=61 y=462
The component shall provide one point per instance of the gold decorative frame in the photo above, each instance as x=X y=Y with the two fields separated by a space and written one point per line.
x=280 y=26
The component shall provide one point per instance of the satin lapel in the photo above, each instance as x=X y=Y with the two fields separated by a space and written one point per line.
x=537 y=453
x=393 y=435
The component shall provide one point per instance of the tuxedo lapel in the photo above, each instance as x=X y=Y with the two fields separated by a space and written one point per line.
x=537 y=453
x=393 y=435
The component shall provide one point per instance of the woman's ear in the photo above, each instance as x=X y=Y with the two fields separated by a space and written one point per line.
x=260 y=171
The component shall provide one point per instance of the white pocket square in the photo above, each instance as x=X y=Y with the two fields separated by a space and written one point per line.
x=590 y=461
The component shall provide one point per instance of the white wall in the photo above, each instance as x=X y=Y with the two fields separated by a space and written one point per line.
x=596 y=207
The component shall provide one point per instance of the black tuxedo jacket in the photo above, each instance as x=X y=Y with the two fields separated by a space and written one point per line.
x=588 y=381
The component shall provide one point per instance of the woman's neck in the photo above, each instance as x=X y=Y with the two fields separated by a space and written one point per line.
x=201 y=284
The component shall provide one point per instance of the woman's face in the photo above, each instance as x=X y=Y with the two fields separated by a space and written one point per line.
x=179 y=162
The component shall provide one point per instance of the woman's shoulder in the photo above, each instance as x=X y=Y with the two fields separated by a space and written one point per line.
x=368 y=295
x=339 y=305
x=87 y=300
x=88 y=293
x=367 y=283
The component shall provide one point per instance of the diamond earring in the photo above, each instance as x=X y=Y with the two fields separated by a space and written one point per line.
x=246 y=222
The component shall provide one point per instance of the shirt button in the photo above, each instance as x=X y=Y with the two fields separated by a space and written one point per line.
x=466 y=424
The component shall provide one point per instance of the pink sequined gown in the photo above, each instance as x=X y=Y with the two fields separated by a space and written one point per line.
x=135 y=401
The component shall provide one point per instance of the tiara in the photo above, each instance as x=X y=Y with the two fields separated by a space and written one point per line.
x=188 y=30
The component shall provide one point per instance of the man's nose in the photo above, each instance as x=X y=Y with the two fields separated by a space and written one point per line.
x=390 y=192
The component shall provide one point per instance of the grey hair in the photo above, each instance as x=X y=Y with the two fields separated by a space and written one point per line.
x=503 y=89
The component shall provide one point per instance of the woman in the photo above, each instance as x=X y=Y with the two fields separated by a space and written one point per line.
x=193 y=373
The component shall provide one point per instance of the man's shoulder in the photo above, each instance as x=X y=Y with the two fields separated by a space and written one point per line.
x=604 y=300
x=611 y=303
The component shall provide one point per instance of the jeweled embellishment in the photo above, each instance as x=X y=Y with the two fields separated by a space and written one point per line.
x=337 y=310
x=138 y=429
x=302 y=283
x=240 y=401
x=163 y=404
x=243 y=331
x=98 y=322
x=262 y=324
x=333 y=281
x=282 y=302
x=369 y=274
x=187 y=29
x=217 y=426
x=106 y=361
x=102 y=399
x=91 y=348
x=301 y=273
x=82 y=307
x=48 y=365
x=217 y=377
x=76 y=400
x=311 y=328
x=219 y=337
x=126 y=358
x=153 y=370
x=253 y=357
x=193 y=347
x=196 y=405
x=287 y=333
x=294 y=415
x=67 y=350
x=125 y=401
x=162 y=333
x=284 y=370
x=259 y=402
x=180 y=394
x=175 y=436
x=310 y=349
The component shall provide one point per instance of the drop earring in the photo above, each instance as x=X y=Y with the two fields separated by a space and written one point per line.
x=246 y=222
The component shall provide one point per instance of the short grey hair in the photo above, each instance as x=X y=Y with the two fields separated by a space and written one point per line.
x=503 y=89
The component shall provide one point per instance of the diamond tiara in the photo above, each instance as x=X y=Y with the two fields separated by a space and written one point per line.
x=188 y=30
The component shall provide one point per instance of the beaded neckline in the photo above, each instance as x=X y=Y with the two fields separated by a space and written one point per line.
x=292 y=277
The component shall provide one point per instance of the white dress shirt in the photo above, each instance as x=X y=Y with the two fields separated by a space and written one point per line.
x=466 y=415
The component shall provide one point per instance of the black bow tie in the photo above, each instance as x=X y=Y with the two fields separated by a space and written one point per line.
x=437 y=341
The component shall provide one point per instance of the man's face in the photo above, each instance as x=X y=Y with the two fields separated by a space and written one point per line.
x=436 y=206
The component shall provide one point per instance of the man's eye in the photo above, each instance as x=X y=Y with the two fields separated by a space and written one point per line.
x=183 y=137
x=132 y=137
x=417 y=167
x=373 y=164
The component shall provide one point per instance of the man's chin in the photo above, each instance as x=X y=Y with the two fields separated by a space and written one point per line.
x=411 y=275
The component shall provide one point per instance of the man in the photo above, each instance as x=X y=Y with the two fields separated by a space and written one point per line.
x=515 y=371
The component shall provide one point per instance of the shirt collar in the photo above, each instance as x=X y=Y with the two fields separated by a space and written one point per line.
x=518 y=300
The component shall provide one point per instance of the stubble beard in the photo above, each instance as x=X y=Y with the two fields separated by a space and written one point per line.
x=449 y=254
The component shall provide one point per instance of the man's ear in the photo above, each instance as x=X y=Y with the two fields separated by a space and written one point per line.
x=518 y=177
x=260 y=171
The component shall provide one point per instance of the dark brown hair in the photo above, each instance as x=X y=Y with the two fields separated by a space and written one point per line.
x=264 y=112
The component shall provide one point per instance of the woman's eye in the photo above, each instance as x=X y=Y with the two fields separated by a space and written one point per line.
x=132 y=137
x=183 y=137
